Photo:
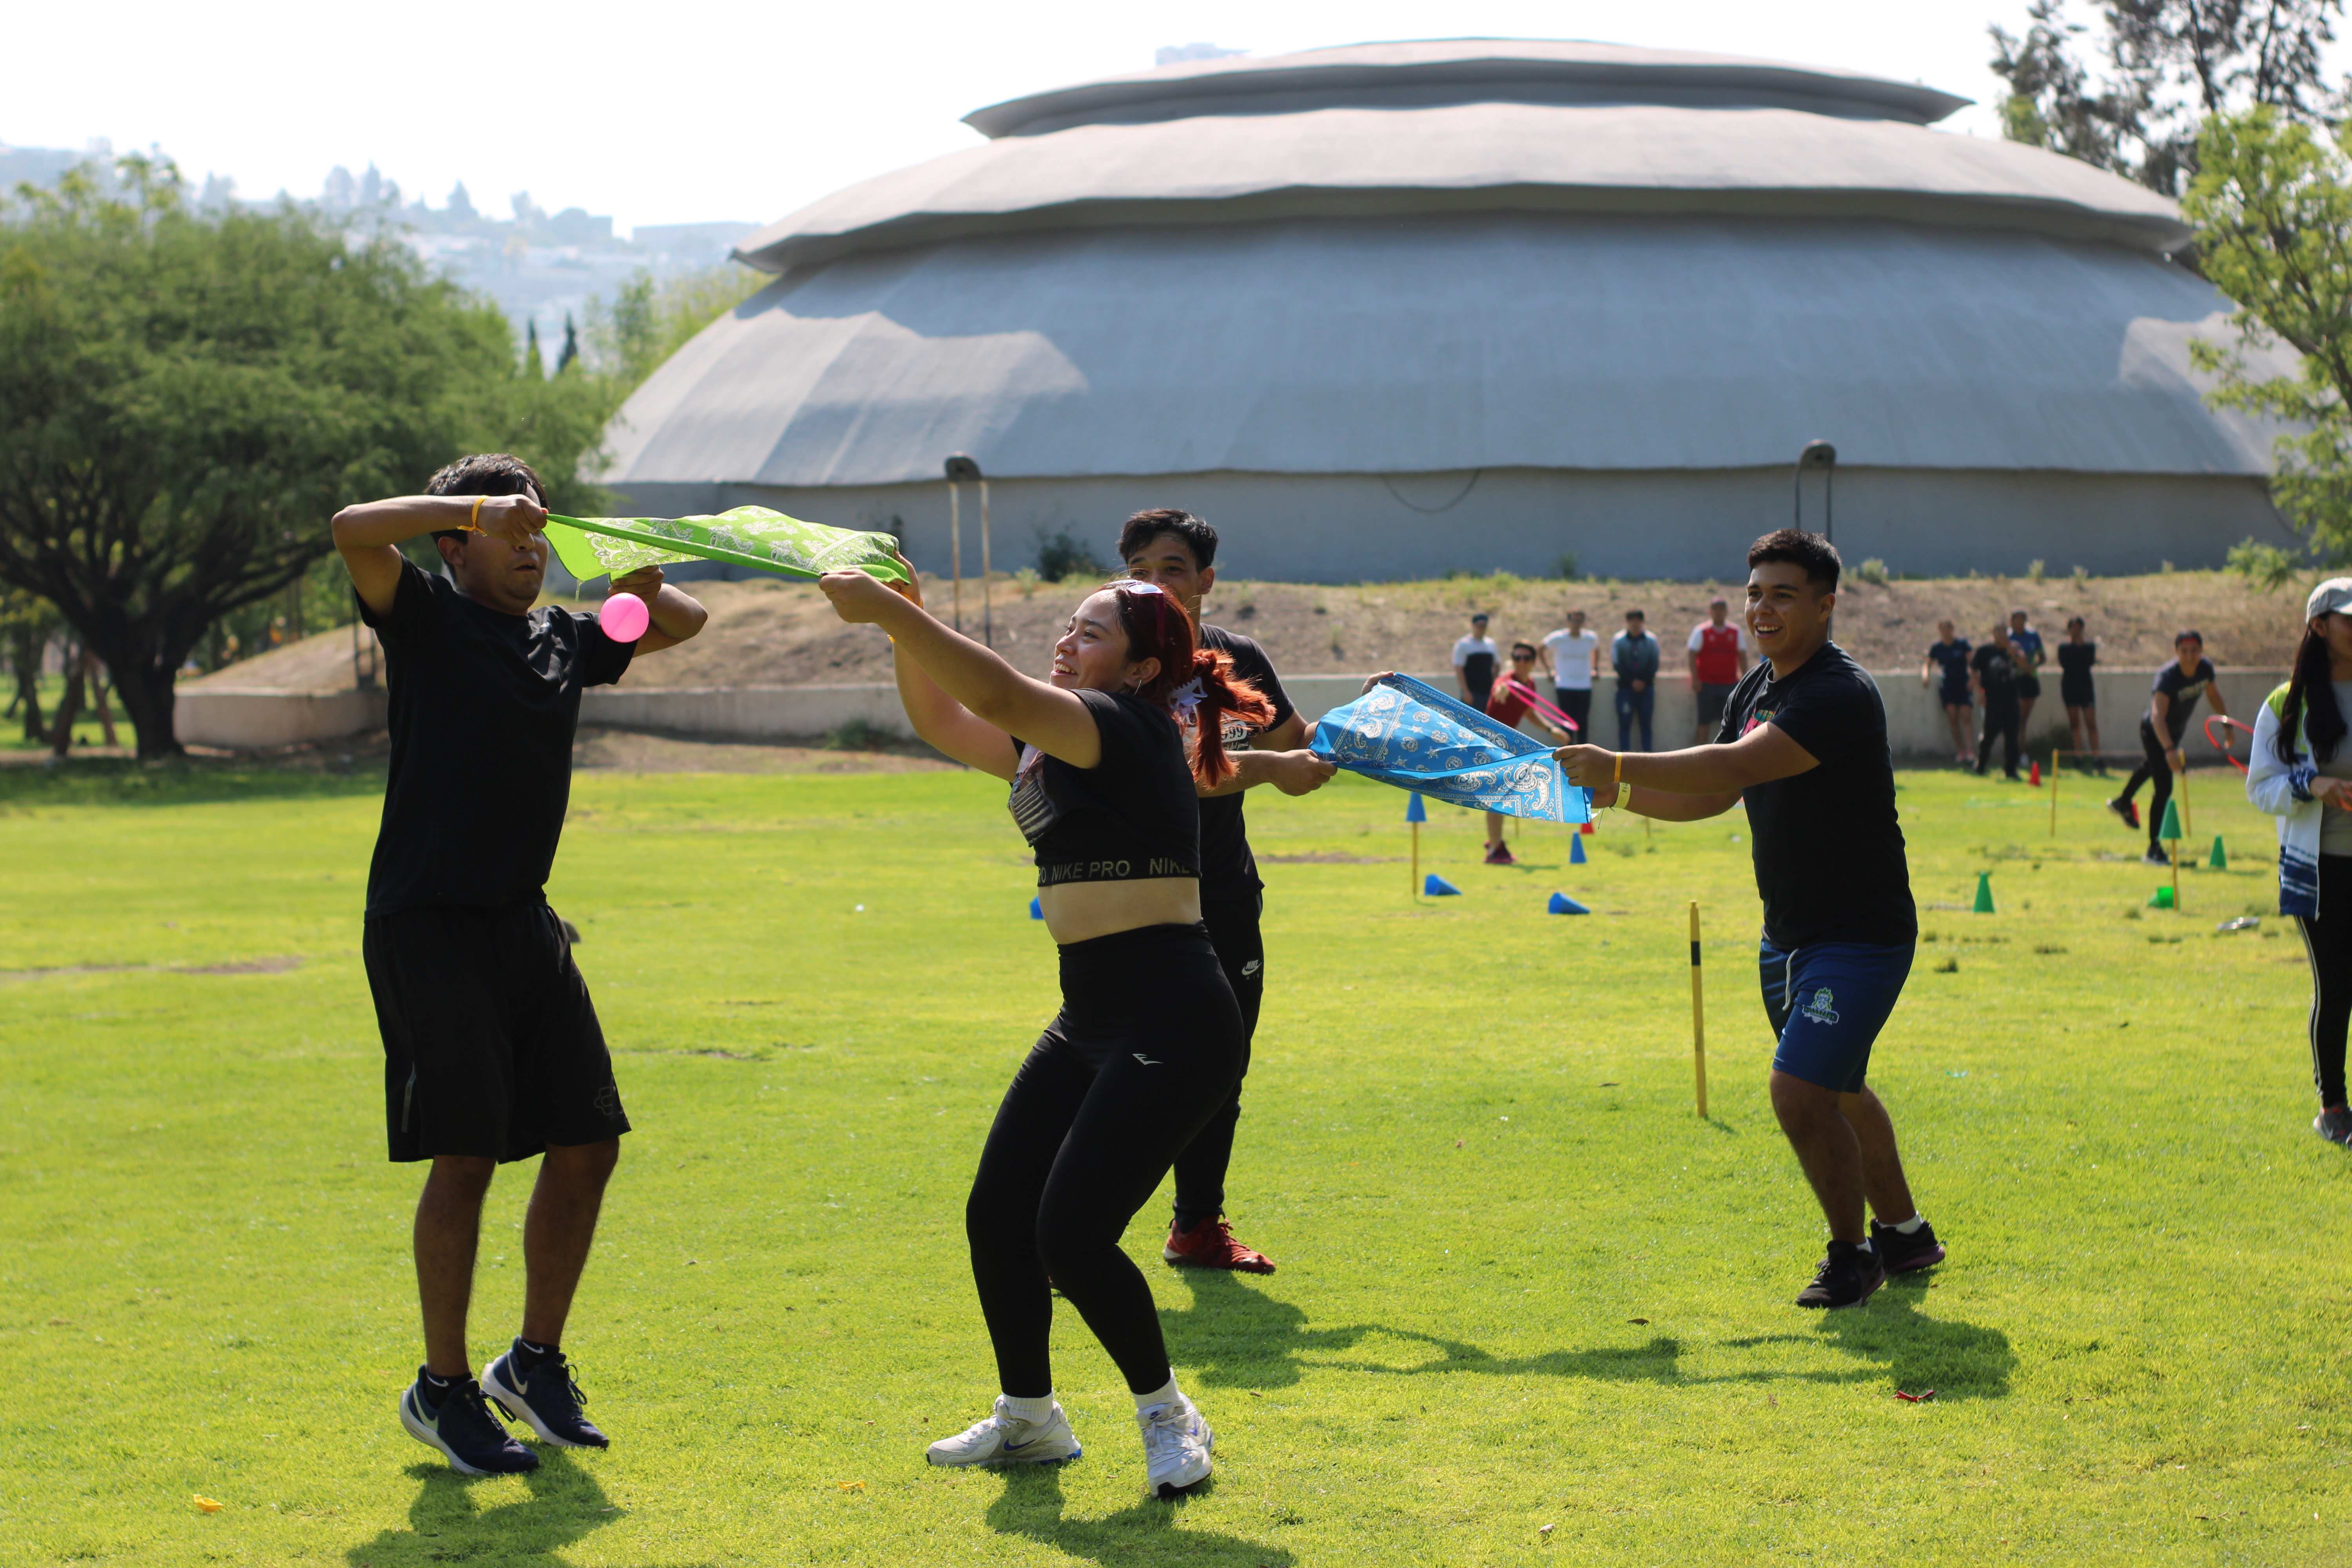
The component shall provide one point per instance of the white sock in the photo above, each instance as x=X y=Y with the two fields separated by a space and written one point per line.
x=1910 y=1227
x=1164 y=1395
x=1037 y=1412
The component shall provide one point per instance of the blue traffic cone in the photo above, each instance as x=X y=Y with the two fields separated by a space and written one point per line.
x=1437 y=886
x=1036 y=911
x=1562 y=904
x=1576 y=855
x=1413 y=810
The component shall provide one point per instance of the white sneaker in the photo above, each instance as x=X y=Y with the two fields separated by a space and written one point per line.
x=1005 y=1440
x=1176 y=1444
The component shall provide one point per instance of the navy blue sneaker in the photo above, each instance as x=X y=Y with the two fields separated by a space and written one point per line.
x=462 y=1428
x=546 y=1400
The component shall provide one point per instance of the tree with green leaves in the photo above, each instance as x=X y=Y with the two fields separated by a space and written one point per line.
x=187 y=395
x=2165 y=66
x=2273 y=206
x=652 y=319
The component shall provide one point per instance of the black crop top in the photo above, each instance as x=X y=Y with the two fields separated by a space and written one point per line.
x=1132 y=815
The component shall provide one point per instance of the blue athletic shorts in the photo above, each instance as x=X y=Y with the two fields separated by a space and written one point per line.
x=1827 y=1003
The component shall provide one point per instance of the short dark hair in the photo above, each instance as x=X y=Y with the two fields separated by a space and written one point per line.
x=2188 y=634
x=1522 y=647
x=1148 y=525
x=1817 y=556
x=2078 y=621
x=485 y=474
x=1636 y=616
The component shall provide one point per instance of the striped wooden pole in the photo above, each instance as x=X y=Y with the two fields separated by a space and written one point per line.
x=1698 y=1017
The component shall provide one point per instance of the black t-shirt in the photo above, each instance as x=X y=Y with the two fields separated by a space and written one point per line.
x=1996 y=670
x=2184 y=691
x=2074 y=662
x=1828 y=849
x=1227 y=868
x=1134 y=814
x=1953 y=658
x=484 y=707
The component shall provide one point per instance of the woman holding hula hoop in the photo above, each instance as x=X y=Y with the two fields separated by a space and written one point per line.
x=2301 y=773
x=1147 y=1044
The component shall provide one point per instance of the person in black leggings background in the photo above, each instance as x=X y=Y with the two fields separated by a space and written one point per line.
x=2172 y=700
x=2301 y=772
x=1148 y=1042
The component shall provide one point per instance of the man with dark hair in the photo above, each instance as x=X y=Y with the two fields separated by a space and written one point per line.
x=1178 y=552
x=1719 y=657
x=1803 y=741
x=1634 y=654
x=1474 y=658
x=1995 y=664
x=492 y=1051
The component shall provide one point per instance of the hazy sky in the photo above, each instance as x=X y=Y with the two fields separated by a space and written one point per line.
x=689 y=109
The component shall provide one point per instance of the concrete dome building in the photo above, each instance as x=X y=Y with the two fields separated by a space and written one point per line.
x=1395 y=309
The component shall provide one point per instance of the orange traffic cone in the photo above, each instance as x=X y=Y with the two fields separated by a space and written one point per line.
x=2034 y=777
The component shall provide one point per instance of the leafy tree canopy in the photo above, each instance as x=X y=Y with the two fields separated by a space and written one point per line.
x=2161 y=68
x=188 y=395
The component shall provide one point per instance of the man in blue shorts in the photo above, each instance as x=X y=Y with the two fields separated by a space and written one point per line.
x=1803 y=741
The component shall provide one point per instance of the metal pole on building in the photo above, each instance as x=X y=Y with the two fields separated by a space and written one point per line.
x=987 y=622
x=961 y=467
x=1820 y=458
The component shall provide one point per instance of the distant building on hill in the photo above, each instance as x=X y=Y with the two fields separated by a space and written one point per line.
x=1393 y=309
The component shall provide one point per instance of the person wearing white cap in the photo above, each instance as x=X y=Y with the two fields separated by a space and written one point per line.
x=2301 y=773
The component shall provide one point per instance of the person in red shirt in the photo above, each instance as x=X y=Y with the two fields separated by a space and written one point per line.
x=1505 y=704
x=1719 y=655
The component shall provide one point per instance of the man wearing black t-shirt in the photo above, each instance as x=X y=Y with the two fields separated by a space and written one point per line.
x=492 y=1051
x=1178 y=552
x=1803 y=743
x=1997 y=664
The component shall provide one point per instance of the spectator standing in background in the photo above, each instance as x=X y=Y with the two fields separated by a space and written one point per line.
x=1569 y=654
x=1947 y=663
x=1995 y=664
x=2170 y=701
x=1510 y=706
x=1719 y=654
x=2076 y=655
x=2025 y=644
x=1634 y=653
x=1474 y=657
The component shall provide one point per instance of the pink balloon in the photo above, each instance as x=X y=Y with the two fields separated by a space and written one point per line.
x=625 y=617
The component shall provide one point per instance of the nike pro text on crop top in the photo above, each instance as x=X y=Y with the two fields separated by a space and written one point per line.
x=1133 y=816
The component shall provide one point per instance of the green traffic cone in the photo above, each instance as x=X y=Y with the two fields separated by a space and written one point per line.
x=1984 y=893
x=2171 y=828
x=2221 y=862
x=2162 y=900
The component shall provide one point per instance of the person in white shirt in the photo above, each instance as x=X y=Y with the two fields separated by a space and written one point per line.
x=1719 y=655
x=1474 y=658
x=1568 y=654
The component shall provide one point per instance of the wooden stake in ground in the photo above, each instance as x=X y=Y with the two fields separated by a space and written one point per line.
x=1698 y=1017
x=1416 y=813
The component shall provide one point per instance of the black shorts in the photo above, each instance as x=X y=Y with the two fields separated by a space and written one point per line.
x=1711 y=699
x=2078 y=694
x=2029 y=686
x=491 y=1047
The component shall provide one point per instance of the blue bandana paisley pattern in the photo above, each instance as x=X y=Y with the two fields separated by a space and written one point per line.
x=1413 y=736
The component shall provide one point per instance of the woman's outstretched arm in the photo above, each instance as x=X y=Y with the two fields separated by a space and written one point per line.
x=968 y=675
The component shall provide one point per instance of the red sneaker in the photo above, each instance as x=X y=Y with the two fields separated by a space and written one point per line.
x=1210 y=1245
x=1499 y=853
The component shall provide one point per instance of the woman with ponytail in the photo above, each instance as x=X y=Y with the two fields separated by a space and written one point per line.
x=2302 y=774
x=1105 y=756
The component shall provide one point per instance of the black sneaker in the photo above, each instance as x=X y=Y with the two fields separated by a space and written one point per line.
x=546 y=1400
x=2335 y=1125
x=1846 y=1277
x=471 y=1439
x=2128 y=810
x=2156 y=857
x=1900 y=1254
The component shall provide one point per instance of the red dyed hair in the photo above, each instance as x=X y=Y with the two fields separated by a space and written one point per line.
x=1157 y=627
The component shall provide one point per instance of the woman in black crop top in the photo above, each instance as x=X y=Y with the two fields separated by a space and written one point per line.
x=1109 y=750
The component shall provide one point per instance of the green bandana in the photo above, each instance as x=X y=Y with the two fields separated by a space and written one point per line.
x=592 y=547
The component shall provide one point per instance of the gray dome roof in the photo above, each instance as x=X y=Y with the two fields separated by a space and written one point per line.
x=1426 y=257
x=1391 y=130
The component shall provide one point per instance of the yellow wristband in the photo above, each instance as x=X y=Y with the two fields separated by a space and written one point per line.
x=1619 y=776
x=474 y=521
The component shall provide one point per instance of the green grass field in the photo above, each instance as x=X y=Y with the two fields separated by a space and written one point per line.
x=1530 y=1307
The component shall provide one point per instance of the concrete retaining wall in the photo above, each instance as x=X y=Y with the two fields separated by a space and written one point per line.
x=254 y=719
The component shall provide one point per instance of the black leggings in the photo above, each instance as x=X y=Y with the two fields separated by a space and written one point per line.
x=2000 y=720
x=2327 y=941
x=1146 y=1047
x=1241 y=952
x=2153 y=765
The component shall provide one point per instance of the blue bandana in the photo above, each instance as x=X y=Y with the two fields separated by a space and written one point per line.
x=1415 y=737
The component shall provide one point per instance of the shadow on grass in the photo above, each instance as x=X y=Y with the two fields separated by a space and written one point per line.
x=1147 y=1530
x=444 y=1524
x=1235 y=1336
